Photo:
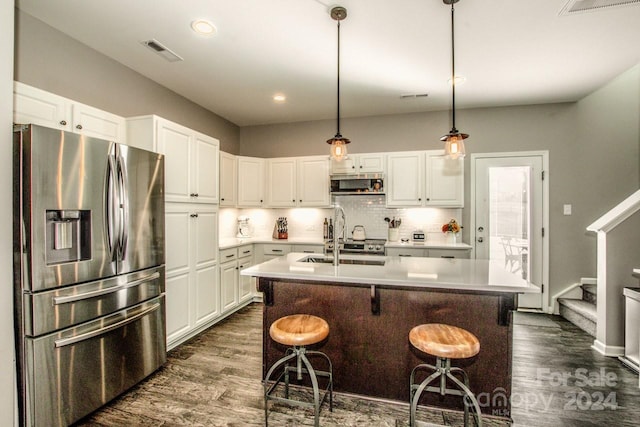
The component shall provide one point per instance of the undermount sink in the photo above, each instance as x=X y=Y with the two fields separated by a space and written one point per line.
x=323 y=260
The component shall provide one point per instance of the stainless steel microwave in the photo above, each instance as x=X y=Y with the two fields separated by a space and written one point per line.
x=357 y=184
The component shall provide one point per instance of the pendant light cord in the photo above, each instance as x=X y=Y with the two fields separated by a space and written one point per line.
x=338 y=121
x=453 y=71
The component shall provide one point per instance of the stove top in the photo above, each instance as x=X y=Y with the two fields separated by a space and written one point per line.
x=367 y=246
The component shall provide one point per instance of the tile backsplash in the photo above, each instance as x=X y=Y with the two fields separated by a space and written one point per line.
x=368 y=211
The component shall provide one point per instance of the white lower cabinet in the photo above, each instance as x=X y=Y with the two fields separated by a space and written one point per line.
x=192 y=301
x=426 y=252
x=234 y=288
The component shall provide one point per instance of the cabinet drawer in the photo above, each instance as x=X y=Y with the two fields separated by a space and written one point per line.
x=309 y=249
x=406 y=252
x=244 y=251
x=227 y=255
x=448 y=253
x=276 y=249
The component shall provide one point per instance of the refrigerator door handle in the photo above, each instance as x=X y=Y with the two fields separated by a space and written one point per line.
x=99 y=292
x=88 y=335
x=112 y=221
x=123 y=206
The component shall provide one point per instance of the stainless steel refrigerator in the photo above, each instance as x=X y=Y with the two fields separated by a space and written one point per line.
x=88 y=271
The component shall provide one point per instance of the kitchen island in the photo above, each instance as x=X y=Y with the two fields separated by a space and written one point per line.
x=371 y=304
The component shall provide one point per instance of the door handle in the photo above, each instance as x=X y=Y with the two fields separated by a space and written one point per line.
x=481 y=229
x=480 y=239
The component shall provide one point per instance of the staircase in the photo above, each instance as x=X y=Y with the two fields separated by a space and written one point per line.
x=581 y=312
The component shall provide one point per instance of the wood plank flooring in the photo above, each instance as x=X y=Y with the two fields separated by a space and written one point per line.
x=214 y=380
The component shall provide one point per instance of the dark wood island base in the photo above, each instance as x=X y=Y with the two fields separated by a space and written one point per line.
x=368 y=341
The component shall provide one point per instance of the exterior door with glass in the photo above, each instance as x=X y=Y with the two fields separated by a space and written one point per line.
x=508 y=217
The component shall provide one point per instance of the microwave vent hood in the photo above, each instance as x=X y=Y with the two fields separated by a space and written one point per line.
x=357 y=185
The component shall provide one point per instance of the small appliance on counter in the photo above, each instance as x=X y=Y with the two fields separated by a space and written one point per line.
x=418 y=236
x=243 y=227
x=359 y=233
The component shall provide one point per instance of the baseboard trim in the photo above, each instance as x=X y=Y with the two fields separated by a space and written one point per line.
x=607 y=350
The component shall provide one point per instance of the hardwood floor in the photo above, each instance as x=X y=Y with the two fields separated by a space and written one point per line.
x=214 y=380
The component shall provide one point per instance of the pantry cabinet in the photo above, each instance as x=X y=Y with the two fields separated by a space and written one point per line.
x=192 y=302
x=191 y=158
x=228 y=179
x=33 y=105
x=424 y=178
x=251 y=178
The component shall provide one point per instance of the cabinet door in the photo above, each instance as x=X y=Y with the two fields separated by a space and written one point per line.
x=246 y=284
x=444 y=181
x=228 y=179
x=346 y=165
x=205 y=236
x=313 y=182
x=178 y=252
x=175 y=143
x=206 y=294
x=404 y=179
x=370 y=163
x=32 y=105
x=250 y=181
x=229 y=285
x=204 y=169
x=97 y=123
x=281 y=182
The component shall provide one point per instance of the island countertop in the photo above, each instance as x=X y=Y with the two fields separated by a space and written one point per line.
x=438 y=273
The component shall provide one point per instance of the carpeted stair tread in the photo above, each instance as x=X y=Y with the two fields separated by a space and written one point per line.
x=582 y=307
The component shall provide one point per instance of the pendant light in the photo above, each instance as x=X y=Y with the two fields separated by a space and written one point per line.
x=454 y=140
x=338 y=142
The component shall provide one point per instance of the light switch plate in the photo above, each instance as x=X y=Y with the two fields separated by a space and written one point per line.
x=566 y=209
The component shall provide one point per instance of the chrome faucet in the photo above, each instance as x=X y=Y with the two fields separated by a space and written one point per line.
x=338 y=215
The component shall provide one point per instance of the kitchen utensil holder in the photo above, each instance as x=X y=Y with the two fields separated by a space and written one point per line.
x=394 y=234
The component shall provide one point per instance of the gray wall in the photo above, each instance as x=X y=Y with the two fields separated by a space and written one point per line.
x=593 y=149
x=7 y=365
x=52 y=61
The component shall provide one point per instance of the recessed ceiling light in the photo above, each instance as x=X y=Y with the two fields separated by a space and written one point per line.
x=459 y=80
x=203 y=27
x=279 y=98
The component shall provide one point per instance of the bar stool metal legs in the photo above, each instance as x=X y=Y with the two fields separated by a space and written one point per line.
x=443 y=371
x=302 y=366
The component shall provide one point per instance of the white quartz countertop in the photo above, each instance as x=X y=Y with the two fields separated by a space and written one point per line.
x=441 y=273
x=428 y=245
x=234 y=242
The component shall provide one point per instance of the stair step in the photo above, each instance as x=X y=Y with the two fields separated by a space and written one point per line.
x=579 y=312
x=589 y=293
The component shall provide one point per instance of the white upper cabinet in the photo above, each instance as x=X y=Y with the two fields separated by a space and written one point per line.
x=404 y=178
x=424 y=178
x=191 y=158
x=359 y=163
x=298 y=181
x=33 y=105
x=250 y=181
x=228 y=179
x=281 y=182
x=313 y=181
x=444 y=180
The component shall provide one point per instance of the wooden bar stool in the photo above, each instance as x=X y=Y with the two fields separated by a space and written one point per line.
x=298 y=331
x=445 y=342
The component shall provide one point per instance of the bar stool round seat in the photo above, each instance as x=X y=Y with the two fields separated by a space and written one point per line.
x=445 y=342
x=298 y=331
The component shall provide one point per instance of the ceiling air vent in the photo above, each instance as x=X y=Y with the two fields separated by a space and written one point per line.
x=162 y=50
x=578 y=6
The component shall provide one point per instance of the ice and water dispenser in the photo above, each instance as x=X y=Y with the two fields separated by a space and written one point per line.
x=68 y=236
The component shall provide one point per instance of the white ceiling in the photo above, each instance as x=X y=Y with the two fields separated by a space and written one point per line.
x=510 y=52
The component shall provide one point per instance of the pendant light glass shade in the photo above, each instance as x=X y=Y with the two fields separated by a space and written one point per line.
x=338 y=142
x=454 y=140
